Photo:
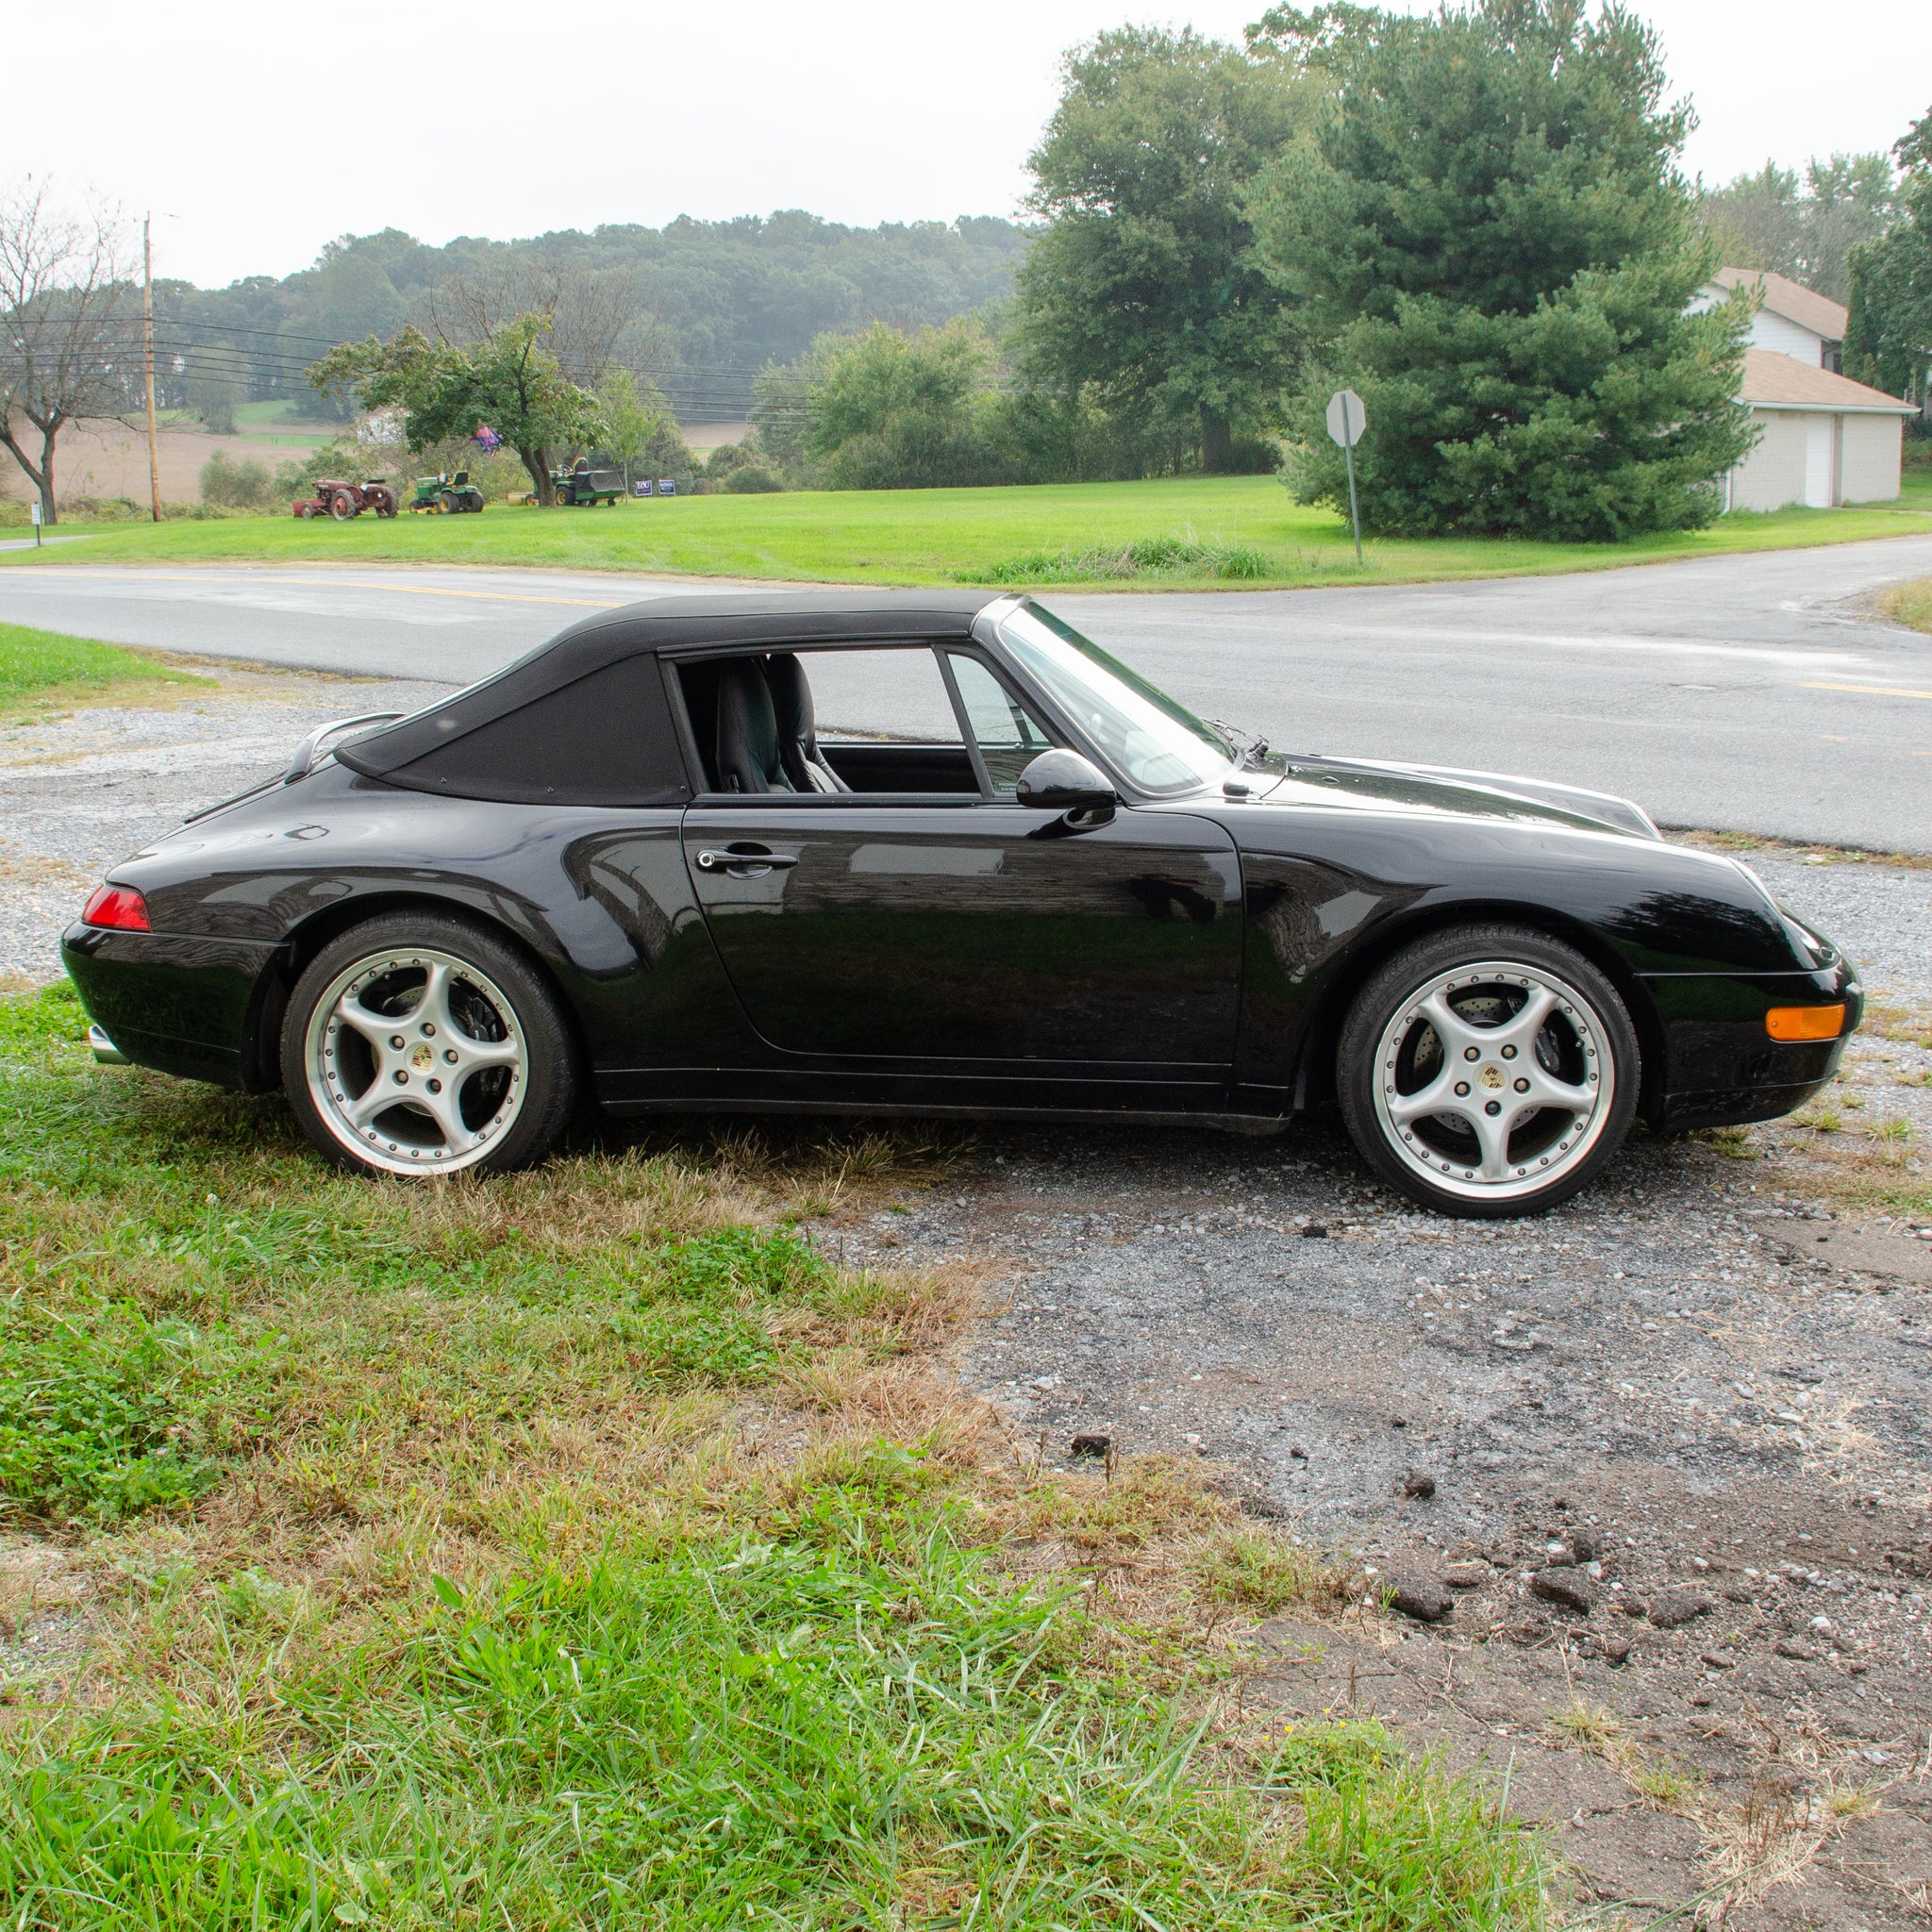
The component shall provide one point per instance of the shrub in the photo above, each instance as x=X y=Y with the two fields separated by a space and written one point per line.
x=894 y=411
x=230 y=484
x=752 y=479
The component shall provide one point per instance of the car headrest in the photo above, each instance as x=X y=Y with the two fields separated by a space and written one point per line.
x=748 y=758
x=798 y=740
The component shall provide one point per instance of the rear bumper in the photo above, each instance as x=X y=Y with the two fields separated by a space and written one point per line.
x=104 y=1050
x=191 y=1007
x=1719 y=1067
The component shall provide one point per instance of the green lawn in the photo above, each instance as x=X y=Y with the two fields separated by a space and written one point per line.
x=585 y=1549
x=42 y=671
x=946 y=536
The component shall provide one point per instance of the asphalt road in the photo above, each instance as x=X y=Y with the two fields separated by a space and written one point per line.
x=1746 y=694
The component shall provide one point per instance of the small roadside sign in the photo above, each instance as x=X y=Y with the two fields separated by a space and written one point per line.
x=1347 y=419
x=34 y=511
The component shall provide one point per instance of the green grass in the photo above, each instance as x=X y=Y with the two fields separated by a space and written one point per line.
x=946 y=536
x=43 y=670
x=585 y=1549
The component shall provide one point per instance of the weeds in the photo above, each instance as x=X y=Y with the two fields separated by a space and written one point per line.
x=1148 y=556
x=104 y=1413
x=1598 y=1728
x=1262 y=1573
x=1910 y=604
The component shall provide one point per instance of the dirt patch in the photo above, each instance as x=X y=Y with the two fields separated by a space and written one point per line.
x=104 y=457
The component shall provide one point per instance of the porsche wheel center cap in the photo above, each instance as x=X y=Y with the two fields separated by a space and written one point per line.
x=1491 y=1077
x=423 y=1059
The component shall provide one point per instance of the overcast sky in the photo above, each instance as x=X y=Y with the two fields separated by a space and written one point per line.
x=264 y=128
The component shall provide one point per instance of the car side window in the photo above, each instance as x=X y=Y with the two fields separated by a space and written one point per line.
x=893 y=697
x=1007 y=734
x=823 y=722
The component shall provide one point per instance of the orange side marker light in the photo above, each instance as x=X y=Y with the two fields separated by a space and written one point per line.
x=1805 y=1023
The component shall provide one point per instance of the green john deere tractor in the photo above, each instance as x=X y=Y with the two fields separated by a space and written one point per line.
x=446 y=495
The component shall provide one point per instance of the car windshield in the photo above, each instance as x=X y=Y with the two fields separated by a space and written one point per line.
x=1156 y=743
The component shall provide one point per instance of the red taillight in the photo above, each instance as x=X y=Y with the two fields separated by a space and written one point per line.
x=118 y=905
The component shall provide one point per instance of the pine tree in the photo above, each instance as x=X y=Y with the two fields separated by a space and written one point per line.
x=1492 y=242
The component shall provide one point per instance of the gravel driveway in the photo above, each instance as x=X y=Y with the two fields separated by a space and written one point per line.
x=1664 y=1455
x=83 y=789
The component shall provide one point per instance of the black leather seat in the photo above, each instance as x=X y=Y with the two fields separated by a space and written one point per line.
x=748 y=753
x=798 y=743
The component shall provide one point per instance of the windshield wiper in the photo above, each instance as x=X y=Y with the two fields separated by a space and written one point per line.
x=1250 y=748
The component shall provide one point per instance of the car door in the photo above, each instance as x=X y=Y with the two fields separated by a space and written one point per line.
x=958 y=930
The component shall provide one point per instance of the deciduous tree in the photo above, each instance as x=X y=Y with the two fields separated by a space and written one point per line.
x=69 y=315
x=509 y=380
x=1495 y=246
x=1146 y=290
x=892 y=411
x=633 y=417
x=1806 y=230
x=1889 y=331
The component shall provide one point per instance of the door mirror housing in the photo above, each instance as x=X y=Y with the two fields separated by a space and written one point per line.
x=1061 y=780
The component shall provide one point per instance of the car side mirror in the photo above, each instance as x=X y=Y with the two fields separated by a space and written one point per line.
x=1063 y=781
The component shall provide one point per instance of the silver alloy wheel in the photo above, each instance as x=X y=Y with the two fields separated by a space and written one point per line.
x=415 y=1061
x=1492 y=1079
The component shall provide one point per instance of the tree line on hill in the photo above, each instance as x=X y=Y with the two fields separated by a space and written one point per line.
x=1477 y=218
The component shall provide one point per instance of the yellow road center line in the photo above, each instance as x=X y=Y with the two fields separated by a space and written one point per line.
x=1871 y=690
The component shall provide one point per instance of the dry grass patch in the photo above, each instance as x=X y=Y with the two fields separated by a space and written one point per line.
x=1909 y=604
x=1743 y=844
x=1778 y=1829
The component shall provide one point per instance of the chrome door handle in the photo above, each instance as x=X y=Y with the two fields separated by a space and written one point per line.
x=745 y=865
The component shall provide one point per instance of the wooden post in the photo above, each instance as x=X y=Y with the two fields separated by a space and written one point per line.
x=147 y=329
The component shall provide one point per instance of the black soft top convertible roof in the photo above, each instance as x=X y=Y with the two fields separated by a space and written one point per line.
x=583 y=719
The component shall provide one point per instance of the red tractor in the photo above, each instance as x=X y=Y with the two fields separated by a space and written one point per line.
x=342 y=501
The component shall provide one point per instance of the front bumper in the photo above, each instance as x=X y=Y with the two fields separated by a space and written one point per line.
x=1719 y=1066
x=191 y=1007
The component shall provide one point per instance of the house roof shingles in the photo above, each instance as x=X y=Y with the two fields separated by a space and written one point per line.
x=1782 y=382
x=1793 y=300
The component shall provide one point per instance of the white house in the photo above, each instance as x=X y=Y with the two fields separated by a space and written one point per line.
x=1823 y=438
x=1791 y=319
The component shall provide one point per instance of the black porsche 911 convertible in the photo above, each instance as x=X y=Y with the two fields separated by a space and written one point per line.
x=938 y=854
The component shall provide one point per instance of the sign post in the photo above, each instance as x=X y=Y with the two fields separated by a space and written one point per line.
x=1347 y=419
x=36 y=514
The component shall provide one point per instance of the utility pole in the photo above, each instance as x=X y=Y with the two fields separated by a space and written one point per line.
x=147 y=329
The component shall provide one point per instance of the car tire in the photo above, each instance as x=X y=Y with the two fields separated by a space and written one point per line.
x=1526 y=1046
x=450 y=1018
